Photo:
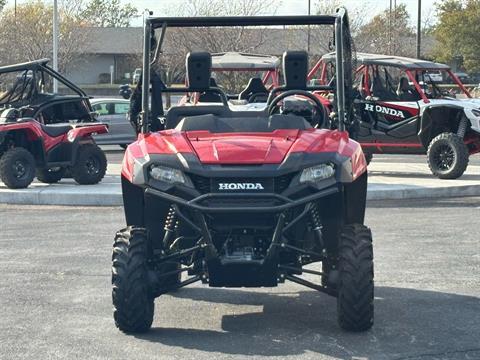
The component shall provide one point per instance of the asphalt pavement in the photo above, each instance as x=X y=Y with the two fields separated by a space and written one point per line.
x=56 y=303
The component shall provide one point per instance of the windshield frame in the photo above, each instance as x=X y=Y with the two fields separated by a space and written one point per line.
x=339 y=22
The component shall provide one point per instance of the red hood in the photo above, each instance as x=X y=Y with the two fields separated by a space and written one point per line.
x=242 y=148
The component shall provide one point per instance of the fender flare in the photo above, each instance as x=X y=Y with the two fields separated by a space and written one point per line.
x=425 y=123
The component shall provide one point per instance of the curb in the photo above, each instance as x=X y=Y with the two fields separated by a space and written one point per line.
x=397 y=192
x=109 y=194
x=63 y=196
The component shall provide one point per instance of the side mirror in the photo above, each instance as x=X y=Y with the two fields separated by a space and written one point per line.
x=94 y=115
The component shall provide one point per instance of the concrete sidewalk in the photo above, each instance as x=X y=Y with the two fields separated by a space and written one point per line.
x=386 y=181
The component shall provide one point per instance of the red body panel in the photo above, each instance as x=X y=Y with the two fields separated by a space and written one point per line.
x=379 y=145
x=245 y=148
x=242 y=148
x=88 y=130
x=412 y=111
x=34 y=131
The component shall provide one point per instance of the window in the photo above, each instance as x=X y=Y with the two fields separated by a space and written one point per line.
x=122 y=108
x=100 y=109
x=111 y=108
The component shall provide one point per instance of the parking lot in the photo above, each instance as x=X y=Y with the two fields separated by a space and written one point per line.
x=223 y=130
x=56 y=302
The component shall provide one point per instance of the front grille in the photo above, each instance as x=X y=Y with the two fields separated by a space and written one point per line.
x=201 y=183
x=282 y=182
x=204 y=184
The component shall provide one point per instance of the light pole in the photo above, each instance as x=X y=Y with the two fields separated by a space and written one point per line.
x=419 y=28
x=308 y=32
x=55 y=43
x=390 y=29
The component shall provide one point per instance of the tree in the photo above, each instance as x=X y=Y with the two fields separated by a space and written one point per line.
x=28 y=35
x=388 y=33
x=107 y=13
x=458 y=33
x=183 y=40
x=356 y=16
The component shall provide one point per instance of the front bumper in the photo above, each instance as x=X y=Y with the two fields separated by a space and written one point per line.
x=282 y=202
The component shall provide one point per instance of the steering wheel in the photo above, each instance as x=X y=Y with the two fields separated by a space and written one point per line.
x=317 y=103
x=254 y=96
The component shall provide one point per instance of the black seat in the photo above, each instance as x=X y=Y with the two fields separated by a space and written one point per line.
x=242 y=123
x=56 y=130
x=210 y=96
x=255 y=86
x=177 y=113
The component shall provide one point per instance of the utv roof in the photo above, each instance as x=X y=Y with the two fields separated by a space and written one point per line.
x=242 y=61
x=24 y=66
x=230 y=21
x=390 y=60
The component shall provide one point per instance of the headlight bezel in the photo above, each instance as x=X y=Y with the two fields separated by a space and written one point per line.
x=166 y=174
x=317 y=173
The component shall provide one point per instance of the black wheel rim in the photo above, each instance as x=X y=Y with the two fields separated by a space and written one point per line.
x=92 y=165
x=444 y=157
x=20 y=169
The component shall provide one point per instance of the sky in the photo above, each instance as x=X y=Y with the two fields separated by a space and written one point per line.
x=292 y=7
x=297 y=7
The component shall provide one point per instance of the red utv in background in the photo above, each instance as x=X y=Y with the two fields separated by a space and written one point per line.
x=404 y=110
x=43 y=134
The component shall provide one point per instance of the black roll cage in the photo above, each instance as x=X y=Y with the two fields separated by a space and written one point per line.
x=339 y=21
x=42 y=66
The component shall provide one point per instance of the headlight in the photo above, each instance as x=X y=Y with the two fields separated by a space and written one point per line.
x=168 y=175
x=317 y=173
x=476 y=112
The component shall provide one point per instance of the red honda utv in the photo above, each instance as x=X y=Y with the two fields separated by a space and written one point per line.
x=404 y=108
x=42 y=133
x=244 y=198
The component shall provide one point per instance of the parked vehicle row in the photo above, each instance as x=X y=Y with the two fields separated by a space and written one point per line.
x=243 y=186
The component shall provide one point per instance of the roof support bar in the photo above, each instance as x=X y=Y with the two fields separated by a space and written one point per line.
x=147 y=29
x=339 y=70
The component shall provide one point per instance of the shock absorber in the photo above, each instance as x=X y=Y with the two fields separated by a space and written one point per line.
x=462 y=126
x=171 y=224
x=317 y=224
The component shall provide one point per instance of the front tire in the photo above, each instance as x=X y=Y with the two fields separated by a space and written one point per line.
x=447 y=156
x=17 y=168
x=90 y=166
x=355 y=286
x=132 y=299
x=50 y=176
